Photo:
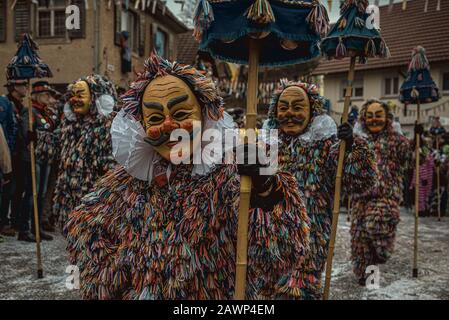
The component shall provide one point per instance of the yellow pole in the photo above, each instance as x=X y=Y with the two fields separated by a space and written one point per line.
x=245 y=181
x=415 y=242
x=40 y=273
x=336 y=209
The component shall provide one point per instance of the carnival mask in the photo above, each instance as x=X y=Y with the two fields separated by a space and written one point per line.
x=168 y=104
x=376 y=117
x=293 y=111
x=81 y=98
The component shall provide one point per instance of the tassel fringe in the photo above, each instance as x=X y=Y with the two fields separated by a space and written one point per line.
x=340 y=51
x=384 y=50
x=342 y=24
x=359 y=23
x=360 y=4
x=370 y=48
x=204 y=16
x=319 y=19
x=260 y=11
x=419 y=60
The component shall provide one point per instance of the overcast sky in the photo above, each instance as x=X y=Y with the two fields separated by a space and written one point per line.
x=334 y=13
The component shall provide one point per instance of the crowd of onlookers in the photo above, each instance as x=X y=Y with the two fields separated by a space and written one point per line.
x=16 y=196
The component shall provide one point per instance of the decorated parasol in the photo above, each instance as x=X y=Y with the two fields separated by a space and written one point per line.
x=26 y=64
x=258 y=33
x=418 y=88
x=354 y=36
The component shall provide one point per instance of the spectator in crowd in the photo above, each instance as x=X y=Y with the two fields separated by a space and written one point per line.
x=5 y=163
x=12 y=192
x=45 y=142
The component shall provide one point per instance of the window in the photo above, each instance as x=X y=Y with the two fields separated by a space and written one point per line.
x=160 y=43
x=357 y=89
x=127 y=20
x=391 y=86
x=445 y=85
x=50 y=18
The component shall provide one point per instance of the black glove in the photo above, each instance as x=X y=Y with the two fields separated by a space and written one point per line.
x=260 y=183
x=344 y=132
x=31 y=136
x=419 y=129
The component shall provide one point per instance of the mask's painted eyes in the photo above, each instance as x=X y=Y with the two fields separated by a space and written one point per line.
x=155 y=119
x=283 y=107
x=181 y=115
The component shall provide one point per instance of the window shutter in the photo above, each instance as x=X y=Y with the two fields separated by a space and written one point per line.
x=81 y=32
x=117 y=23
x=22 y=18
x=2 y=21
x=142 y=35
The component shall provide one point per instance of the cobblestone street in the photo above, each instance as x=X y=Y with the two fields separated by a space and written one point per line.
x=18 y=260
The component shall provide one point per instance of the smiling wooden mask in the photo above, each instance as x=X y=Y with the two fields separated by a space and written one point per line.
x=376 y=118
x=293 y=111
x=168 y=104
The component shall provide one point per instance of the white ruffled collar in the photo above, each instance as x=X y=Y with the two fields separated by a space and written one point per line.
x=139 y=158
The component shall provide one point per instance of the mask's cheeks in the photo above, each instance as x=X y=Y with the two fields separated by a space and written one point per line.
x=293 y=111
x=169 y=104
x=375 y=117
x=81 y=98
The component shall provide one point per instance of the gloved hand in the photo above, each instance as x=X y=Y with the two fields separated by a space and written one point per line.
x=344 y=132
x=261 y=183
x=31 y=136
x=264 y=194
x=419 y=129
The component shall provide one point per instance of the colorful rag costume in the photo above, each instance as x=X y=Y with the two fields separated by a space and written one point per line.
x=426 y=172
x=86 y=149
x=155 y=230
x=375 y=213
x=312 y=158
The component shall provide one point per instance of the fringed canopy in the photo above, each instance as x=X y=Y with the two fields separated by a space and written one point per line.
x=26 y=64
x=351 y=36
x=289 y=31
x=419 y=85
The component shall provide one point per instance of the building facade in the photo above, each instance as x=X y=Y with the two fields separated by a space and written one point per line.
x=96 y=47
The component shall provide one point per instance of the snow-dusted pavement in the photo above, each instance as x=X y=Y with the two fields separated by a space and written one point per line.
x=18 y=267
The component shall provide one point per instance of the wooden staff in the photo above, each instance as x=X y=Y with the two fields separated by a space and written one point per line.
x=438 y=179
x=341 y=155
x=40 y=272
x=245 y=181
x=415 y=242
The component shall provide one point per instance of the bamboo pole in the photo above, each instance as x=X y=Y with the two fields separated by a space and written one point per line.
x=40 y=272
x=438 y=179
x=245 y=181
x=415 y=242
x=341 y=155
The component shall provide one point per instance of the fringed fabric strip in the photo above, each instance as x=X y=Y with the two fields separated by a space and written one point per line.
x=319 y=19
x=260 y=11
x=203 y=17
